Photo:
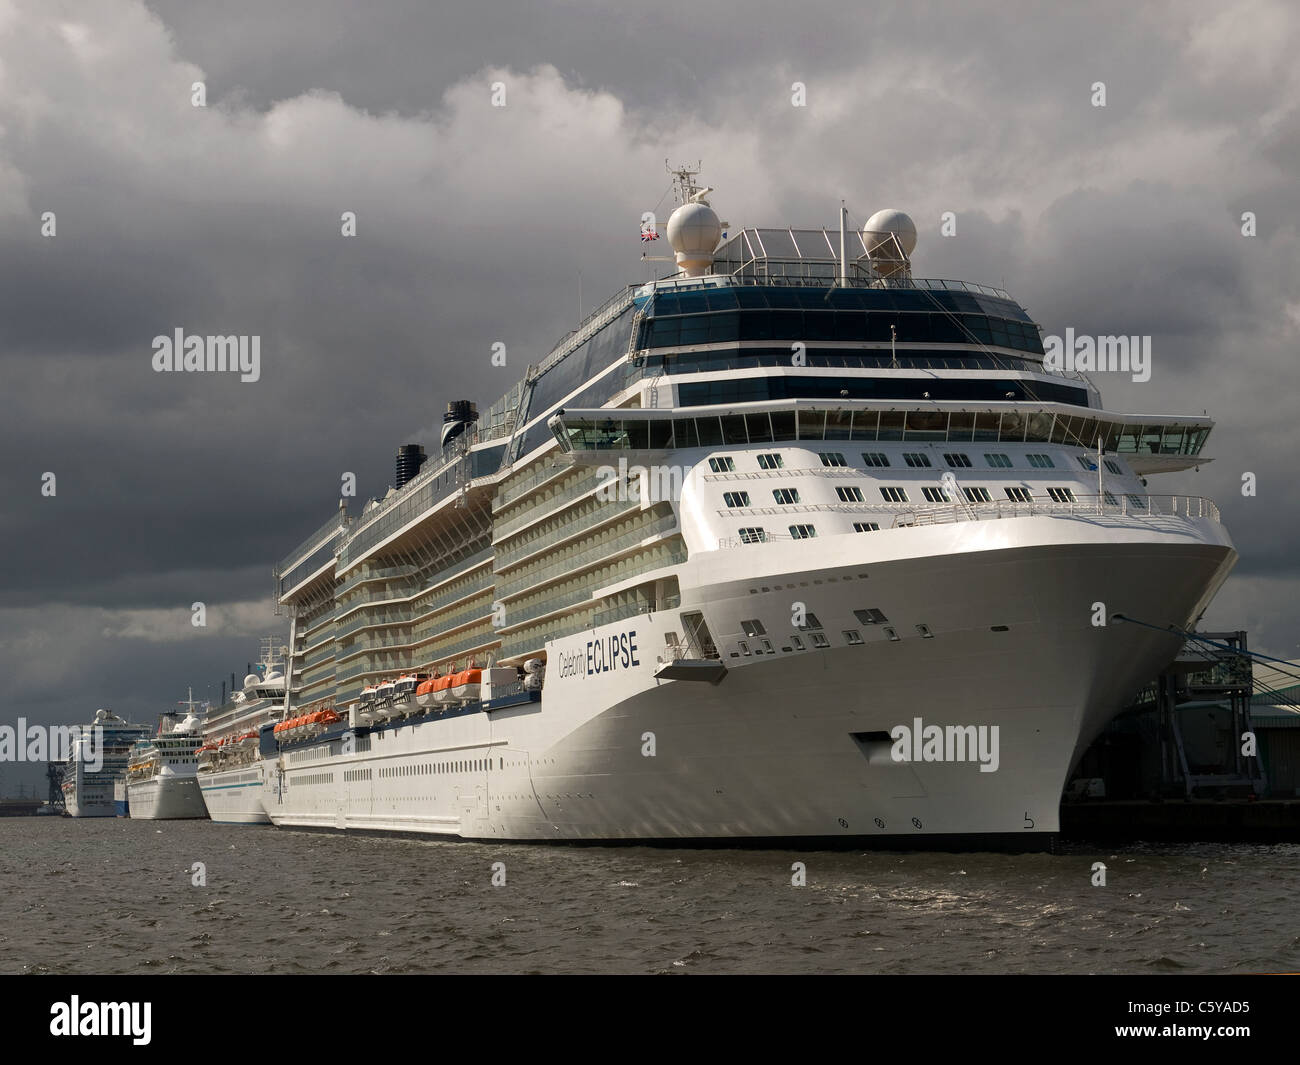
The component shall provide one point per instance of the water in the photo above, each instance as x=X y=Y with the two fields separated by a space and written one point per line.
x=115 y=896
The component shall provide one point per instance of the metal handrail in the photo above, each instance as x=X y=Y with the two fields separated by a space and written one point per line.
x=906 y=515
x=588 y=327
x=316 y=540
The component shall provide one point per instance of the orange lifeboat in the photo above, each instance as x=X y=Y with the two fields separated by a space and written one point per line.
x=442 y=689
x=466 y=684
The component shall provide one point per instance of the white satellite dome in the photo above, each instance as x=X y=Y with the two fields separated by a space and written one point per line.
x=882 y=224
x=251 y=681
x=694 y=231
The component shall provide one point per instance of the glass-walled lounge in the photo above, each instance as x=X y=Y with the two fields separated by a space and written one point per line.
x=613 y=431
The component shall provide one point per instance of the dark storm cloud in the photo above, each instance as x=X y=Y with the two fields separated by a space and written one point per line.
x=474 y=223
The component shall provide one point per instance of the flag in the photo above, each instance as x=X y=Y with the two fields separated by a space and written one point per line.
x=649 y=234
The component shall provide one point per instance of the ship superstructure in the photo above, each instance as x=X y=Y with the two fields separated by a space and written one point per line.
x=161 y=778
x=98 y=762
x=693 y=575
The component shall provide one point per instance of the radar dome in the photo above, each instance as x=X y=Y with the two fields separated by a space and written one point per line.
x=252 y=680
x=694 y=231
x=882 y=224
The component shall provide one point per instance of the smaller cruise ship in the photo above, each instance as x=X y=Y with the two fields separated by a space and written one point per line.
x=98 y=761
x=162 y=775
x=230 y=771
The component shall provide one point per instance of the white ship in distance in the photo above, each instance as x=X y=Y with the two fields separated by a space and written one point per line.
x=230 y=770
x=867 y=505
x=161 y=778
x=98 y=762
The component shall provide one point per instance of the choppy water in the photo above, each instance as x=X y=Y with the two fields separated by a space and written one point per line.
x=110 y=896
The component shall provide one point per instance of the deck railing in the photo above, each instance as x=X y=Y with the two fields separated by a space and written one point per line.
x=1126 y=508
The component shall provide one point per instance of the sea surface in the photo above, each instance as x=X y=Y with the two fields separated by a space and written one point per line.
x=119 y=896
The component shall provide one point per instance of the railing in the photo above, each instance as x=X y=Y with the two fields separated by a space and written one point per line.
x=632 y=610
x=523 y=579
x=589 y=327
x=581 y=522
x=432 y=606
x=586 y=482
x=307 y=629
x=1129 y=507
x=312 y=542
x=387 y=517
x=506 y=496
x=578 y=595
x=361 y=577
x=317 y=657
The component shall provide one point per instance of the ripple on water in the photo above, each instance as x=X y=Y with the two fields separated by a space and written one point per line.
x=116 y=896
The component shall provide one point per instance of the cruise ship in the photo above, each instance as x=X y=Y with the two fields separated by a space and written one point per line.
x=98 y=762
x=230 y=771
x=161 y=778
x=787 y=544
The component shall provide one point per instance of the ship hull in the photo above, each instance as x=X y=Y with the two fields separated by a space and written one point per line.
x=234 y=796
x=790 y=744
x=86 y=799
x=166 y=798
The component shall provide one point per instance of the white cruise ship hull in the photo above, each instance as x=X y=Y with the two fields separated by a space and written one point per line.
x=166 y=797
x=788 y=745
x=82 y=799
x=234 y=796
x=75 y=806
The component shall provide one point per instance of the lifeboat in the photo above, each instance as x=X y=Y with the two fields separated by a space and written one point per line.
x=247 y=738
x=424 y=692
x=404 y=689
x=466 y=684
x=442 y=690
x=384 y=693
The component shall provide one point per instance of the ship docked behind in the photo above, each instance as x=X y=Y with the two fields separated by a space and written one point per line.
x=161 y=778
x=230 y=770
x=97 y=765
x=691 y=577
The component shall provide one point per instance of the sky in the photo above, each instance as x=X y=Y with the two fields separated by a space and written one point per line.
x=127 y=212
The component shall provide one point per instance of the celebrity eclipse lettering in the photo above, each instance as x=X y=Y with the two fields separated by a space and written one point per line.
x=605 y=655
